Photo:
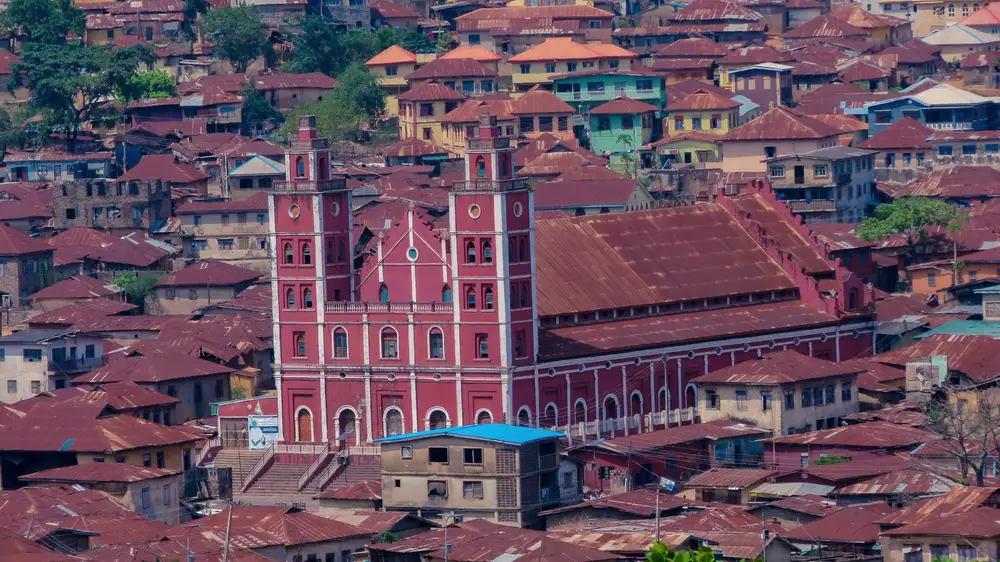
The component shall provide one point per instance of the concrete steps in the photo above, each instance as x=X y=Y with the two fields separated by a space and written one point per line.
x=280 y=479
x=240 y=460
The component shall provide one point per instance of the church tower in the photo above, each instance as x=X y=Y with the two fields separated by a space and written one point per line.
x=493 y=262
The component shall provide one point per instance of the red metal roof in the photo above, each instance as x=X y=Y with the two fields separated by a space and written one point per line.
x=809 y=504
x=826 y=26
x=256 y=202
x=959 y=499
x=909 y=482
x=14 y=243
x=973 y=356
x=987 y=15
x=955 y=182
x=80 y=236
x=623 y=106
x=33 y=511
x=258 y=527
x=778 y=367
x=902 y=133
x=704 y=100
x=714 y=11
x=166 y=167
x=779 y=224
x=259 y=405
x=852 y=524
x=872 y=435
x=294 y=80
x=410 y=147
x=367 y=490
x=539 y=101
x=729 y=478
x=553 y=164
x=431 y=91
x=681 y=435
x=203 y=273
x=156 y=367
x=119 y=396
x=981 y=522
x=648 y=257
x=471 y=110
x=755 y=55
x=682 y=64
x=859 y=17
x=641 y=503
x=570 y=193
x=451 y=68
x=782 y=123
x=94 y=472
x=861 y=70
x=77 y=287
x=692 y=47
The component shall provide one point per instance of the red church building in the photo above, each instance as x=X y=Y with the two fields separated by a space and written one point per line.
x=485 y=315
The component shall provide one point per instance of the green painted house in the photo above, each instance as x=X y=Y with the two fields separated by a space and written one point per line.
x=621 y=126
x=587 y=90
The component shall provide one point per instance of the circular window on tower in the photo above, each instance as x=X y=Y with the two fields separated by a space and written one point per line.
x=391 y=376
x=294 y=211
x=335 y=208
x=518 y=209
x=475 y=211
x=437 y=376
x=412 y=254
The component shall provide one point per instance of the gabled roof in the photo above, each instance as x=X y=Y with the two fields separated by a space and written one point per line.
x=852 y=524
x=294 y=80
x=825 y=26
x=152 y=368
x=392 y=55
x=857 y=16
x=496 y=432
x=776 y=368
x=623 y=106
x=871 y=435
x=166 y=167
x=83 y=310
x=259 y=526
x=451 y=68
x=729 y=478
x=902 y=133
x=431 y=91
x=366 y=490
x=861 y=70
x=958 y=182
x=706 y=11
x=471 y=110
x=208 y=272
x=702 y=100
x=259 y=166
x=782 y=123
x=537 y=101
x=754 y=55
x=95 y=472
x=973 y=356
x=564 y=48
x=957 y=34
x=987 y=15
x=959 y=499
x=14 y=243
x=391 y=10
x=474 y=52
x=696 y=47
x=119 y=396
x=77 y=287
x=411 y=147
x=981 y=522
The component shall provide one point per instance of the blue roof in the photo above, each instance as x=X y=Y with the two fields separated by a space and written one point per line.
x=965 y=328
x=513 y=434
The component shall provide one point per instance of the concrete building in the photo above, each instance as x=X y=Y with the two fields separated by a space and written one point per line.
x=785 y=391
x=38 y=360
x=505 y=474
x=779 y=132
x=231 y=231
x=205 y=282
x=835 y=184
x=116 y=207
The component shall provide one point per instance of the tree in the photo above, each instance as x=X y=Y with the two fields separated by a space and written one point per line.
x=443 y=43
x=316 y=48
x=968 y=430
x=628 y=157
x=239 y=34
x=256 y=108
x=72 y=83
x=386 y=537
x=43 y=21
x=659 y=552
x=193 y=9
x=147 y=85
x=359 y=88
x=335 y=119
x=137 y=286
x=910 y=216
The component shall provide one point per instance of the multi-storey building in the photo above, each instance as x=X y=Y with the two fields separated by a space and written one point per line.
x=835 y=184
x=38 y=360
x=232 y=231
x=486 y=315
x=118 y=207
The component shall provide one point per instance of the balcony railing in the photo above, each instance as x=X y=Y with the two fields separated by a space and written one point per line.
x=807 y=206
x=310 y=185
x=494 y=186
x=401 y=307
x=488 y=144
x=951 y=125
x=78 y=364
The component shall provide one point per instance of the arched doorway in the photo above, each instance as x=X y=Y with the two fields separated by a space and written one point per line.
x=852 y=299
x=690 y=397
x=580 y=412
x=610 y=408
x=347 y=422
x=484 y=417
x=551 y=416
x=437 y=420
x=664 y=399
x=304 y=426
x=635 y=407
x=523 y=417
x=393 y=422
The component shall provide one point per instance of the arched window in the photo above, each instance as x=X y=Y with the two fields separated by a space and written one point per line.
x=482 y=347
x=306 y=255
x=513 y=293
x=390 y=344
x=690 y=397
x=436 y=343
x=307 y=298
x=289 y=254
x=636 y=404
x=446 y=294
x=437 y=419
x=300 y=167
x=610 y=408
x=965 y=10
x=300 y=345
x=470 y=298
x=341 y=251
x=511 y=248
x=663 y=399
x=484 y=417
x=852 y=299
x=487 y=252
x=551 y=416
x=393 y=422
x=290 y=299
x=524 y=295
x=340 y=343
x=580 y=412
x=480 y=167
x=524 y=417
x=383 y=293
x=470 y=252
x=522 y=250
x=951 y=10
x=487 y=298
x=329 y=252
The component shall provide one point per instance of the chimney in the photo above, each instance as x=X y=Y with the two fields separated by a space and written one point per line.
x=307 y=127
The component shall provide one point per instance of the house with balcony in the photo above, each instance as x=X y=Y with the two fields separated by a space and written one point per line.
x=561 y=55
x=779 y=132
x=42 y=359
x=942 y=107
x=703 y=111
x=783 y=391
x=834 y=184
x=459 y=126
x=390 y=67
x=622 y=125
x=586 y=90
x=467 y=76
x=767 y=84
x=422 y=109
x=502 y=473
x=540 y=112
x=232 y=231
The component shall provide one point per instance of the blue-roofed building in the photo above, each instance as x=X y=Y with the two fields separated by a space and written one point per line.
x=942 y=107
x=502 y=473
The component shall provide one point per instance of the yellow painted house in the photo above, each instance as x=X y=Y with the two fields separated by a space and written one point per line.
x=461 y=124
x=703 y=112
x=562 y=55
x=422 y=110
x=391 y=67
x=480 y=54
x=541 y=112
x=748 y=56
x=103 y=29
x=692 y=147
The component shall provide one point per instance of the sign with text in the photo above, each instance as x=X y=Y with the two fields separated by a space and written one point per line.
x=263 y=431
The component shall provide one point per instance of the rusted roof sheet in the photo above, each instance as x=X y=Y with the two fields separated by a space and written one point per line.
x=471 y=110
x=369 y=490
x=779 y=367
x=166 y=167
x=861 y=70
x=451 y=68
x=681 y=435
x=257 y=527
x=256 y=202
x=409 y=147
x=755 y=55
x=872 y=435
x=641 y=503
x=981 y=522
x=119 y=396
x=94 y=472
x=852 y=524
x=635 y=544
x=692 y=47
x=34 y=510
x=782 y=123
x=14 y=243
x=909 y=482
x=779 y=224
x=859 y=17
x=959 y=499
x=391 y=10
x=808 y=504
x=703 y=100
x=553 y=164
x=294 y=80
x=964 y=182
x=372 y=522
x=902 y=133
x=729 y=478
x=575 y=193
x=137 y=323
x=844 y=123
x=623 y=106
x=825 y=26
x=177 y=548
x=208 y=272
x=709 y=325
x=474 y=52
x=431 y=91
x=77 y=287
x=648 y=257
x=155 y=367
x=715 y=10
x=681 y=64
x=539 y=101
x=976 y=357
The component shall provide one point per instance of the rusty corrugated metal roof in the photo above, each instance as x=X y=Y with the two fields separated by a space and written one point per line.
x=976 y=357
x=782 y=123
x=852 y=524
x=959 y=499
x=872 y=435
x=778 y=367
x=729 y=478
x=981 y=522
x=910 y=482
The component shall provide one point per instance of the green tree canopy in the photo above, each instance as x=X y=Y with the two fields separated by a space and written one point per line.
x=43 y=21
x=910 y=217
x=147 y=85
x=359 y=87
x=335 y=118
x=72 y=83
x=137 y=286
x=660 y=553
x=320 y=47
x=256 y=108
x=239 y=34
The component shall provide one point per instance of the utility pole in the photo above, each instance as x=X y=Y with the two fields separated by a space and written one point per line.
x=657 y=524
x=447 y=547
x=229 y=526
x=628 y=468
